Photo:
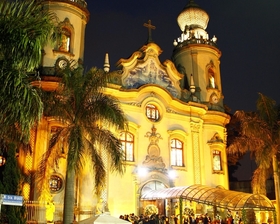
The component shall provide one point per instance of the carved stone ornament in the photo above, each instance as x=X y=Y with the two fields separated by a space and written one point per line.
x=153 y=159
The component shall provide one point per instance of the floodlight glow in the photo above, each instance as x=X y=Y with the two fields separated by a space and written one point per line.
x=172 y=174
x=142 y=171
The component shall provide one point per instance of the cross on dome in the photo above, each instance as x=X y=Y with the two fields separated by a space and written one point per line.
x=150 y=28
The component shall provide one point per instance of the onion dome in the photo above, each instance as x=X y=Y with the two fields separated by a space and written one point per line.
x=192 y=16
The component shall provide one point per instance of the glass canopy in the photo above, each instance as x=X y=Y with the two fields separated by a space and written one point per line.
x=218 y=196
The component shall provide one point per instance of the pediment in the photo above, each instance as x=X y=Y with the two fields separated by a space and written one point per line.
x=216 y=138
x=144 y=67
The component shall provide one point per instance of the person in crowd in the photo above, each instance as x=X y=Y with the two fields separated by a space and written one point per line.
x=206 y=219
x=140 y=219
x=161 y=219
x=175 y=219
x=186 y=219
x=125 y=217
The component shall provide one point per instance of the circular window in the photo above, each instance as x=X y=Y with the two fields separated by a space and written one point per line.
x=56 y=183
x=152 y=112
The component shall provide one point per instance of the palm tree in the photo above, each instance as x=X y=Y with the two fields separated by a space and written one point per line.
x=13 y=186
x=259 y=133
x=25 y=27
x=87 y=115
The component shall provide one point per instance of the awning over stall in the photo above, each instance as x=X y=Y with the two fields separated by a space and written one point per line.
x=217 y=196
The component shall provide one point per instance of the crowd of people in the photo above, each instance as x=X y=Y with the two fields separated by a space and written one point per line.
x=174 y=219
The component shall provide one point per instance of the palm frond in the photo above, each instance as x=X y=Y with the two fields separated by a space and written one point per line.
x=75 y=149
x=259 y=181
x=259 y=133
x=98 y=167
x=25 y=27
x=105 y=109
x=267 y=109
x=20 y=102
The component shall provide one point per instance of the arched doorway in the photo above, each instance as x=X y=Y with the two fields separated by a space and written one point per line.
x=152 y=206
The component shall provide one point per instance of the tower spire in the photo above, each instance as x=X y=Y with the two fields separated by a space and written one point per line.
x=106 y=63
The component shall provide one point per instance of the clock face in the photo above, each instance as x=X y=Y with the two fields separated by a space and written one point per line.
x=214 y=98
x=62 y=63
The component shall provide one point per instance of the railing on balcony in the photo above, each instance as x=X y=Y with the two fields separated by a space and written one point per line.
x=80 y=3
x=36 y=212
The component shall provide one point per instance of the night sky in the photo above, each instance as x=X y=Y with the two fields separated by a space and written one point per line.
x=248 y=35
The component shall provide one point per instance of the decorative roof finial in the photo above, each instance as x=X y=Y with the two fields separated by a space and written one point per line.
x=192 y=86
x=106 y=63
x=150 y=27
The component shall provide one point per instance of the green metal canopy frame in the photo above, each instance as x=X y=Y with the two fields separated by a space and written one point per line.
x=217 y=196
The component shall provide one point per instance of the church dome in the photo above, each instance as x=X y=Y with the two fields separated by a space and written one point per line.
x=192 y=16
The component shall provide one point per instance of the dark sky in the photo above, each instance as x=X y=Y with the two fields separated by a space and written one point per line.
x=248 y=35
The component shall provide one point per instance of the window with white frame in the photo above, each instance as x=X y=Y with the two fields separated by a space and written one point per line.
x=127 y=140
x=176 y=152
x=152 y=112
x=217 y=161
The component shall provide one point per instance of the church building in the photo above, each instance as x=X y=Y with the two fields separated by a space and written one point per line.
x=176 y=133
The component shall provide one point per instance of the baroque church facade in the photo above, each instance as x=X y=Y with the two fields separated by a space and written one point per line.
x=175 y=112
x=177 y=134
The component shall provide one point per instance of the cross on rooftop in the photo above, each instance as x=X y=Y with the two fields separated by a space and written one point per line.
x=150 y=28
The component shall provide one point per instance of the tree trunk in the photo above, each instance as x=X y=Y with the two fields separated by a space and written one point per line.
x=276 y=185
x=69 y=197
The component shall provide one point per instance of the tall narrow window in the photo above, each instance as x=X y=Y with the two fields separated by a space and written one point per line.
x=65 y=40
x=217 y=165
x=152 y=112
x=211 y=76
x=176 y=152
x=127 y=140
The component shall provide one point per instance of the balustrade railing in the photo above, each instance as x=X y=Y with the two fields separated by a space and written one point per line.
x=81 y=3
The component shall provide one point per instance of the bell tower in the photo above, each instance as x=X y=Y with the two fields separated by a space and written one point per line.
x=71 y=19
x=197 y=57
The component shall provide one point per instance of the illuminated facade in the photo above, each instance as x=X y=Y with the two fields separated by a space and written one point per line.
x=177 y=135
x=176 y=118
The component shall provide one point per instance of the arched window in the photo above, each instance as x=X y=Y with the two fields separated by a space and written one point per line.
x=127 y=140
x=152 y=112
x=176 y=152
x=65 y=40
x=217 y=162
x=66 y=34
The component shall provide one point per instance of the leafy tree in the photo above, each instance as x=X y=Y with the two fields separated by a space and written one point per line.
x=87 y=116
x=11 y=184
x=25 y=27
x=259 y=133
